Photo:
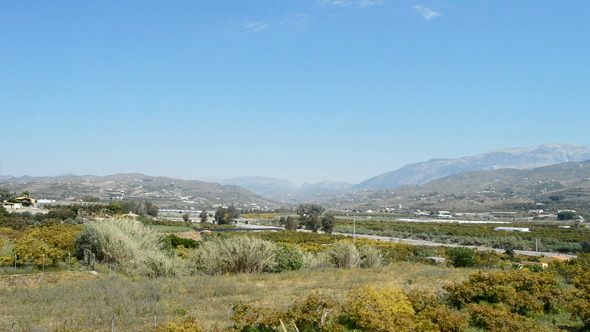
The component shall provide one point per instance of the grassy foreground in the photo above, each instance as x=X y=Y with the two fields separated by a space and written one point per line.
x=43 y=302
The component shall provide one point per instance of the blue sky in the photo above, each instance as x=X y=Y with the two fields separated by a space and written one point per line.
x=303 y=90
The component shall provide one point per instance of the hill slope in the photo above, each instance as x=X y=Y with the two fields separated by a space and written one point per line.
x=166 y=192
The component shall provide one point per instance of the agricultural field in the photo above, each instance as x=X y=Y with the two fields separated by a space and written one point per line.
x=550 y=237
x=544 y=236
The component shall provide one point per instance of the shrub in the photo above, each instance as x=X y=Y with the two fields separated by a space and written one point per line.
x=520 y=290
x=373 y=309
x=488 y=259
x=45 y=245
x=433 y=315
x=288 y=258
x=314 y=259
x=249 y=318
x=29 y=248
x=443 y=319
x=461 y=257
x=236 y=255
x=61 y=213
x=135 y=248
x=580 y=304
x=371 y=256
x=499 y=319
x=344 y=254
x=422 y=299
x=314 y=313
x=173 y=241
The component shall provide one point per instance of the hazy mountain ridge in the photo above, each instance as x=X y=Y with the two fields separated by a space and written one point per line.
x=166 y=191
x=264 y=186
x=516 y=158
x=286 y=191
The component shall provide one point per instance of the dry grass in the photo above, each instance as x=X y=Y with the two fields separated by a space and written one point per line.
x=191 y=235
x=42 y=279
x=42 y=302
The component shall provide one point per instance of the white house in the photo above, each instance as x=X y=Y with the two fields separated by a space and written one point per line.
x=12 y=206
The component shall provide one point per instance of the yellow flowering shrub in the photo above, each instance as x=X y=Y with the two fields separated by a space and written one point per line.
x=580 y=302
x=380 y=310
x=45 y=245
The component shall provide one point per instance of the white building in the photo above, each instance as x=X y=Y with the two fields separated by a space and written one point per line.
x=513 y=229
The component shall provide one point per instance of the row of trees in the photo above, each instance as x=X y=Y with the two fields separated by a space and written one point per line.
x=311 y=216
x=226 y=216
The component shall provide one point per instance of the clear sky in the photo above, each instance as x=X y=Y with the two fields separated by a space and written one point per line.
x=303 y=90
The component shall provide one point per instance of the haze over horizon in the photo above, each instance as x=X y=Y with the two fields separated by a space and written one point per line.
x=306 y=91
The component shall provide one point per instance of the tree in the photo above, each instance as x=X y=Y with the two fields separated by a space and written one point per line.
x=306 y=209
x=220 y=216
x=3 y=212
x=140 y=208
x=5 y=195
x=151 y=209
x=185 y=218
x=233 y=213
x=313 y=222
x=289 y=223
x=226 y=216
x=461 y=257
x=89 y=199
x=566 y=215
x=310 y=216
x=328 y=223
x=203 y=216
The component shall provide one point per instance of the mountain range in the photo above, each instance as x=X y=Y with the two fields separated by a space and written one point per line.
x=499 y=174
x=515 y=158
x=418 y=173
x=554 y=187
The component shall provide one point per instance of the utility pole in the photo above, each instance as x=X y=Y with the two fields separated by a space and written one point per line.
x=354 y=228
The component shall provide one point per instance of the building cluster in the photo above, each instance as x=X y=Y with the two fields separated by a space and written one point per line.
x=19 y=203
